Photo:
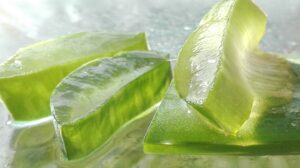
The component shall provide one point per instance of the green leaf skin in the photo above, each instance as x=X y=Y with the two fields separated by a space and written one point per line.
x=211 y=73
x=97 y=99
x=28 y=78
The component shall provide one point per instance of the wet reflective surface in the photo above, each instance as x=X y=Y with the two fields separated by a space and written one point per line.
x=167 y=24
x=35 y=147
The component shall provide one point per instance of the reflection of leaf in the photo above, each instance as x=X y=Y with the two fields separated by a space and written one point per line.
x=29 y=77
x=36 y=157
x=125 y=149
x=32 y=136
x=34 y=146
x=100 y=97
x=220 y=72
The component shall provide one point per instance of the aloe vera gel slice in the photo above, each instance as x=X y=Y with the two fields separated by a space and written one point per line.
x=178 y=128
x=220 y=71
x=100 y=97
x=230 y=97
x=28 y=78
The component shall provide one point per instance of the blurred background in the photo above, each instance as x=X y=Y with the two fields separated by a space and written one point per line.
x=167 y=24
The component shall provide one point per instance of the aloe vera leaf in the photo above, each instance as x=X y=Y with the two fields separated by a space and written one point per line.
x=211 y=72
x=178 y=128
x=28 y=78
x=91 y=103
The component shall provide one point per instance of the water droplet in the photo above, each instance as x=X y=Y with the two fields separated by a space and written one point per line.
x=204 y=84
x=6 y=165
x=211 y=61
x=9 y=122
x=151 y=30
x=187 y=28
x=189 y=111
x=293 y=124
x=18 y=64
x=167 y=143
x=293 y=43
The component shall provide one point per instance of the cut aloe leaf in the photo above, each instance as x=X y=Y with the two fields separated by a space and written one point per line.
x=97 y=99
x=28 y=78
x=178 y=128
x=207 y=74
x=236 y=99
x=218 y=68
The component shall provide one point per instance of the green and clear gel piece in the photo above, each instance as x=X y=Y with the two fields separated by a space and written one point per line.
x=228 y=96
x=28 y=78
x=177 y=128
x=100 y=97
x=221 y=72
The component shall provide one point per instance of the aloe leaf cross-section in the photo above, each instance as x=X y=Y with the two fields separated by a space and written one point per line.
x=28 y=78
x=178 y=128
x=100 y=97
x=221 y=71
x=229 y=96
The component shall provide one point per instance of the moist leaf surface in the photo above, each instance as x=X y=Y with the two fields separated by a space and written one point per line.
x=28 y=78
x=221 y=72
x=97 y=99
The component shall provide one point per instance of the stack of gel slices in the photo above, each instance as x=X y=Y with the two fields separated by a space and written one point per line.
x=227 y=96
